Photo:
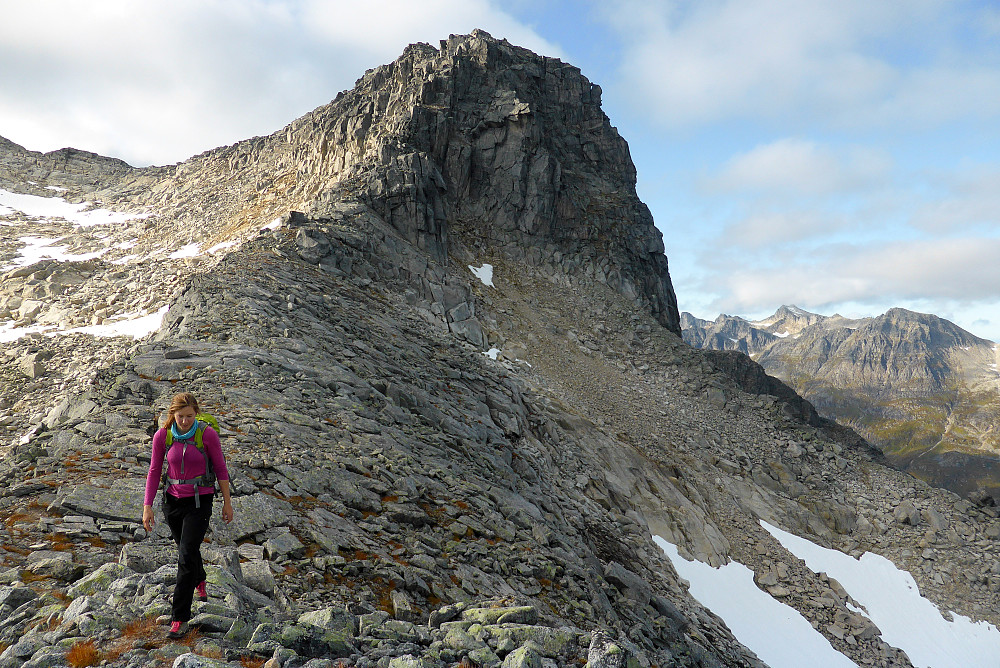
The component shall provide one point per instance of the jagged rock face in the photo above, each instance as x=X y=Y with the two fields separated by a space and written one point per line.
x=921 y=388
x=505 y=149
x=26 y=171
x=898 y=350
x=725 y=333
x=789 y=320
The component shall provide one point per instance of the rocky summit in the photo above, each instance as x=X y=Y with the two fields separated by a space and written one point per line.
x=437 y=327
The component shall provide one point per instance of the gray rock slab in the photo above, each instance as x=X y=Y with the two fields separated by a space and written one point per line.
x=283 y=544
x=120 y=501
x=334 y=532
x=147 y=557
x=15 y=597
x=60 y=569
x=252 y=514
x=258 y=576
x=331 y=618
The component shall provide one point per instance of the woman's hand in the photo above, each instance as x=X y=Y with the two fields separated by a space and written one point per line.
x=147 y=517
x=227 y=502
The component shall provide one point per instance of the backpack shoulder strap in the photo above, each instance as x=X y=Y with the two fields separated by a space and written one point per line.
x=199 y=441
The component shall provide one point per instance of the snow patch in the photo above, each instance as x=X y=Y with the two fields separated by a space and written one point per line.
x=754 y=617
x=888 y=596
x=191 y=250
x=273 y=225
x=783 y=335
x=221 y=246
x=492 y=353
x=135 y=325
x=891 y=599
x=56 y=207
x=8 y=332
x=40 y=248
x=484 y=274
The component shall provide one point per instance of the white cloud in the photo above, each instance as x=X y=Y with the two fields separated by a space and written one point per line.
x=848 y=63
x=161 y=80
x=386 y=24
x=972 y=200
x=765 y=230
x=958 y=271
x=792 y=190
x=803 y=167
x=942 y=94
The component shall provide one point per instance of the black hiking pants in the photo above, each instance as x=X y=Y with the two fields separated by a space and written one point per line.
x=188 y=526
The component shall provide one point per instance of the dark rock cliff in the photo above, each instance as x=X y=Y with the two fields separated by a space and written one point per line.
x=505 y=149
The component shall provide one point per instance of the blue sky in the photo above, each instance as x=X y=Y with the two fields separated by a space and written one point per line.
x=841 y=155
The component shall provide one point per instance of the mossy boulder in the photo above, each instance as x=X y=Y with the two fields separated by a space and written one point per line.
x=507 y=615
x=550 y=642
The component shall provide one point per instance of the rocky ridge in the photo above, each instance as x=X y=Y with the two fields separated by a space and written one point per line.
x=401 y=498
x=477 y=145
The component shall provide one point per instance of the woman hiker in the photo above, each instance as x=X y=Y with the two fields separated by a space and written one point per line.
x=188 y=448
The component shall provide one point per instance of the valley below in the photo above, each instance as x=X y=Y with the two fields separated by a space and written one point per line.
x=926 y=392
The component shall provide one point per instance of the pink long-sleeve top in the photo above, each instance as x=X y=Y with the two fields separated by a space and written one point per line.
x=194 y=464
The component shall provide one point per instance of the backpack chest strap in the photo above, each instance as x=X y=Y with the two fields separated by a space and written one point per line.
x=191 y=481
x=205 y=480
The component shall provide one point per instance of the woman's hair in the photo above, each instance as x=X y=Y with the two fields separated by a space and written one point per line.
x=182 y=400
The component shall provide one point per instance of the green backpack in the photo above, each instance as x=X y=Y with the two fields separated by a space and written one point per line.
x=208 y=478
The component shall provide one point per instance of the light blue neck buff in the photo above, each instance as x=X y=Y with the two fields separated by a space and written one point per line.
x=183 y=437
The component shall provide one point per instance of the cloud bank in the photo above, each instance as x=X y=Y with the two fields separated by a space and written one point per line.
x=160 y=80
x=844 y=63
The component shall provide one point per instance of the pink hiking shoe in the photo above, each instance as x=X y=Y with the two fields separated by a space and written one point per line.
x=177 y=629
x=201 y=591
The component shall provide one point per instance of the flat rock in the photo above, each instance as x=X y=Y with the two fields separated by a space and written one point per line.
x=121 y=501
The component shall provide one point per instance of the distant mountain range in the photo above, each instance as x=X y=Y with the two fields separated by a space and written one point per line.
x=922 y=389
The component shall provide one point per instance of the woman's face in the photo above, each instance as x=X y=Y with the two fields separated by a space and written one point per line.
x=184 y=418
